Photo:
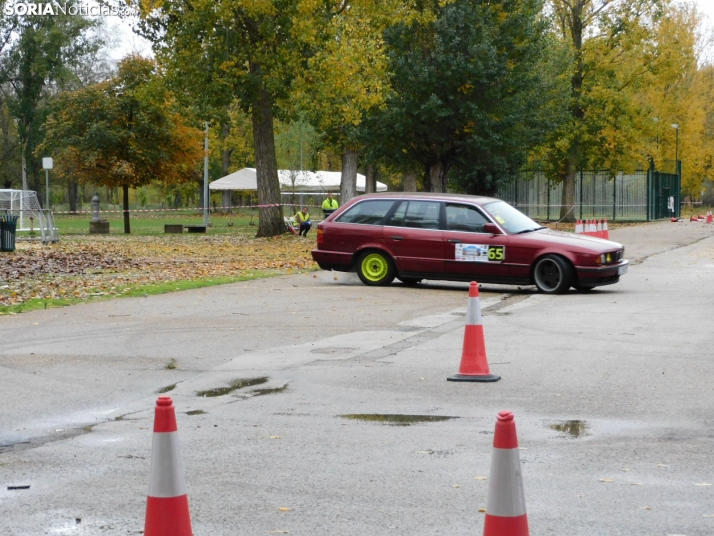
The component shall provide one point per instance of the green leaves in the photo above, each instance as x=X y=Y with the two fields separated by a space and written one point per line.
x=124 y=132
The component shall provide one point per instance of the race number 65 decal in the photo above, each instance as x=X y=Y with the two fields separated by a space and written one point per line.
x=496 y=253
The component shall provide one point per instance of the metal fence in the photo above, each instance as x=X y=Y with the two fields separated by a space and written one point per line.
x=640 y=196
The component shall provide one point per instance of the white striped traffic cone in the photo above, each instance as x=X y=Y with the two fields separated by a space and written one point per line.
x=598 y=230
x=167 y=503
x=605 y=231
x=506 y=502
x=710 y=217
x=474 y=363
x=579 y=227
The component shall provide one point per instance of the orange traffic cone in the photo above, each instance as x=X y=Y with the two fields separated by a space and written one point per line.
x=598 y=231
x=710 y=217
x=579 y=227
x=693 y=218
x=167 y=503
x=505 y=502
x=605 y=232
x=474 y=363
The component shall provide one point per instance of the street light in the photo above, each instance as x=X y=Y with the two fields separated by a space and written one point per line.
x=47 y=166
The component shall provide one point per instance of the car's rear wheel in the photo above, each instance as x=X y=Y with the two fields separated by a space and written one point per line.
x=375 y=268
x=409 y=281
x=552 y=274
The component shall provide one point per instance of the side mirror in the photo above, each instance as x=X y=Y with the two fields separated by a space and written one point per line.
x=491 y=228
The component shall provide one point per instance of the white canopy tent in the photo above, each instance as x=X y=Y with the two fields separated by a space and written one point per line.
x=297 y=181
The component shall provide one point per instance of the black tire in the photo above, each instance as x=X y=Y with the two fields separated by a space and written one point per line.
x=375 y=268
x=409 y=281
x=552 y=274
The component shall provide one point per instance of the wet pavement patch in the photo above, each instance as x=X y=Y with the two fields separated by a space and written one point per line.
x=234 y=385
x=574 y=429
x=273 y=391
x=166 y=389
x=195 y=412
x=396 y=419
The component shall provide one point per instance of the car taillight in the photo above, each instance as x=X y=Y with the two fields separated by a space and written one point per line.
x=320 y=236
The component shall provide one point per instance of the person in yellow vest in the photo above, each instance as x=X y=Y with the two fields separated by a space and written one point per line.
x=329 y=205
x=303 y=218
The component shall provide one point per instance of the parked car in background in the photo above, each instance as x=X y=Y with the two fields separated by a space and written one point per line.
x=416 y=236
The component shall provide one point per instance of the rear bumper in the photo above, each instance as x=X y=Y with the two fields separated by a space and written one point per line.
x=601 y=275
x=332 y=260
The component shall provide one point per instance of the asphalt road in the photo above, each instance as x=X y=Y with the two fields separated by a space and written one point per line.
x=612 y=392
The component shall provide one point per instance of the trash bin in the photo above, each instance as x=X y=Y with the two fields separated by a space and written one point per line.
x=8 y=227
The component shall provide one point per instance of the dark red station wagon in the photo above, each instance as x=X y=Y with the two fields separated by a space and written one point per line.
x=414 y=236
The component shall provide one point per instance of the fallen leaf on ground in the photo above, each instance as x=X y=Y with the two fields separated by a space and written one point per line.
x=275 y=437
x=480 y=478
x=607 y=480
x=285 y=509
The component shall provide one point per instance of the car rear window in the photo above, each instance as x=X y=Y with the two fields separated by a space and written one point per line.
x=417 y=214
x=370 y=212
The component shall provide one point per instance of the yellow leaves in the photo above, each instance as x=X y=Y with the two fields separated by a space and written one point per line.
x=465 y=89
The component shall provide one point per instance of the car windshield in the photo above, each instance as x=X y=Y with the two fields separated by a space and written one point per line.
x=511 y=219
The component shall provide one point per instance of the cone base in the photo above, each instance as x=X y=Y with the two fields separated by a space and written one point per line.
x=473 y=378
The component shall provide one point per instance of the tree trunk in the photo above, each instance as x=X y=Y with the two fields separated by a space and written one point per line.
x=567 y=207
x=437 y=177
x=127 y=226
x=574 y=156
x=348 y=182
x=227 y=201
x=25 y=186
x=409 y=181
x=270 y=218
x=72 y=195
x=370 y=184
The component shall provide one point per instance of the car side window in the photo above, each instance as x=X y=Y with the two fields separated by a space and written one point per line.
x=370 y=212
x=397 y=219
x=417 y=214
x=464 y=218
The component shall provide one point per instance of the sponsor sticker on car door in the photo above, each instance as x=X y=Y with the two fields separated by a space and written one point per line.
x=479 y=253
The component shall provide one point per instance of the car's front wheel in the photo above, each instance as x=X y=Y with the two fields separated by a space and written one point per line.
x=375 y=268
x=552 y=274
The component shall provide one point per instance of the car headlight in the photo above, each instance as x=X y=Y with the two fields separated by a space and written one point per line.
x=609 y=258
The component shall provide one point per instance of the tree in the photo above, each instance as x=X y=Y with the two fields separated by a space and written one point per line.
x=124 y=133
x=346 y=78
x=248 y=51
x=612 y=53
x=466 y=90
x=41 y=51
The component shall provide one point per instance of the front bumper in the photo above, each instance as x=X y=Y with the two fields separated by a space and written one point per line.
x=601 y=275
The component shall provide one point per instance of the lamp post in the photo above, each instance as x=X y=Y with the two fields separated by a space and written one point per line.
x=205 y=179
x=47 y=166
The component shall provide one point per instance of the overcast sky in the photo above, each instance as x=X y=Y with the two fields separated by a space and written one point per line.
x=131 y=42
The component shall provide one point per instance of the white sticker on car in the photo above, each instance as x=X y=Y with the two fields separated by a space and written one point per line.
x=479 y=253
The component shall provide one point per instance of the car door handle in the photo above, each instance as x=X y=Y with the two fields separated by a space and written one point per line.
x=397 y=237
x=454 y=241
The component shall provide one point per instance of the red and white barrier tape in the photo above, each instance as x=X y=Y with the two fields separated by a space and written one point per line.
x=188 y=209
